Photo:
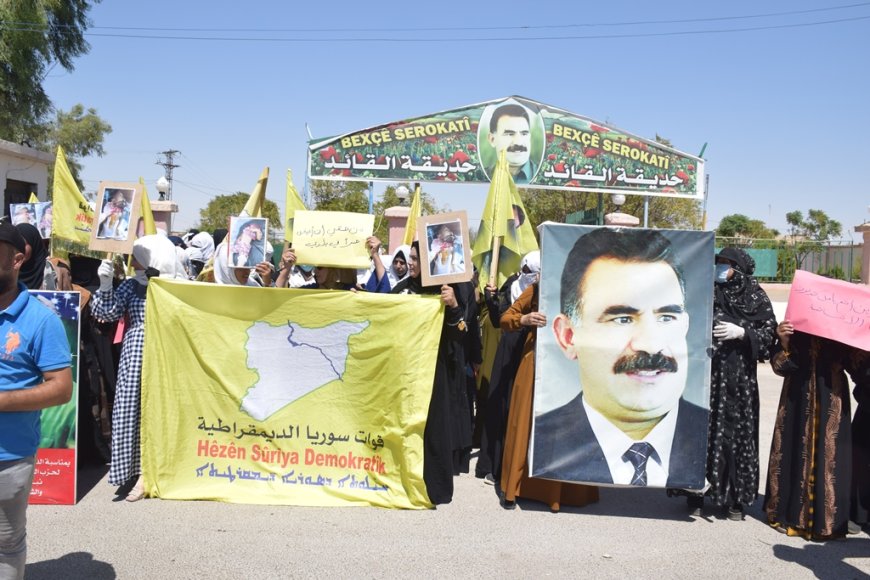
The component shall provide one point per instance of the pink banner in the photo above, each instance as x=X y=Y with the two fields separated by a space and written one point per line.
x=830 y=308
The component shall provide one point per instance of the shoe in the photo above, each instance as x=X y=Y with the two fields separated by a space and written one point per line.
x=138 y=491
x=508 y=504
x=735 y=513
x=854 y=528
x=489 y=479
x=695 y=504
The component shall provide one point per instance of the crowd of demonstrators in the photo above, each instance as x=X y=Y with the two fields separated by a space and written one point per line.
x=819 y=474
x=811 y=478
x=153 y=255
x=35 y=373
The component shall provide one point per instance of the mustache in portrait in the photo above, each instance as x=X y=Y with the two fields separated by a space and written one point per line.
x=644 y=361
x=516 y=148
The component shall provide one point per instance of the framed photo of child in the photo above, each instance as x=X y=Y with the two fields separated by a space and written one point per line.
x=247 y=241
x=119 y=205
x=445 y=249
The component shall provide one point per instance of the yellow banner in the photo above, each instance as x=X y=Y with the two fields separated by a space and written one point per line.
x=292 y=204
x=332 y=238
x=280 y=396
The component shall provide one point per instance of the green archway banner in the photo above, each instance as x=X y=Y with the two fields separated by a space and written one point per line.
x=546 y=147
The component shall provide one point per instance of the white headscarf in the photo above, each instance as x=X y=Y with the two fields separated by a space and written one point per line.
x=200 y=247
x=533 y=261
x=223 y=274
x=158 y=252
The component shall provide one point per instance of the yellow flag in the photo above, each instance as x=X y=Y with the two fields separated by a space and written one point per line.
x=73 y=216
x=416 y=212
x=254 y=207
x=503 y=217
x=33 y=198
x=343 y=426
x=292 y=202
x=147 y=214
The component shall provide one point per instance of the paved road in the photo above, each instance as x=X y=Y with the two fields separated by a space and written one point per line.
x=629 y=533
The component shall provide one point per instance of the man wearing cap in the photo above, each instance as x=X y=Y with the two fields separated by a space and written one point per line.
x=35 y=373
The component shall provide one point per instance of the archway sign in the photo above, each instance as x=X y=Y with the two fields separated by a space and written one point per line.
x=546 y=147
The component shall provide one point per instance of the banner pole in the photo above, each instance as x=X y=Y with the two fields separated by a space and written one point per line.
x=493 y=265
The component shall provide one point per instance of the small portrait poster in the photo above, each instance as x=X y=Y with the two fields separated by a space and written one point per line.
x=23 y=213
x=118 y=206
x=445 y=254
x=247 y=243
x=43 y=219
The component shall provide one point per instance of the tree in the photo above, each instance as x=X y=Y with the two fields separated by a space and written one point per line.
x=34 y=37
x=340 y=195
x=81 y=133
x=809 y=235
x=218 y=211
x=739 y=225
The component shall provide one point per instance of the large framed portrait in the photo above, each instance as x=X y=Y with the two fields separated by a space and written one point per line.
x=445 y=248
x=119 y=205
x=514 y=128
x=622 y=369
x=247 y=241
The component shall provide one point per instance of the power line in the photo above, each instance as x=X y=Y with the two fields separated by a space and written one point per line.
x=439 y=40
x=40 y=27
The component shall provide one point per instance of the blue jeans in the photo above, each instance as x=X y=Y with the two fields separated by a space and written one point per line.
x=16 y=478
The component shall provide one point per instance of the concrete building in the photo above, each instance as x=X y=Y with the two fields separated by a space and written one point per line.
x=23 y=170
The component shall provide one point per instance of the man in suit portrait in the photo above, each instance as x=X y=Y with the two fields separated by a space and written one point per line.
x=624 y=320
x=510 y=131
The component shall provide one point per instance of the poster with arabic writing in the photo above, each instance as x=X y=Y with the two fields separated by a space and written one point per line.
x=546 y=147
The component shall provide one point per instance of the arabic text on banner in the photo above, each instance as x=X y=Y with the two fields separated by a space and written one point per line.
x=283 y=396
x=332 y=238
x=830 y=308
x=558 y=150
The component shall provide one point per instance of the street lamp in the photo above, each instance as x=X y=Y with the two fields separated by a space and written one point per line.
x=402 y=193
x=163 y=187
x=618 y=199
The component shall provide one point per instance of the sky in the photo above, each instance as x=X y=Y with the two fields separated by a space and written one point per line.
x=780 y=100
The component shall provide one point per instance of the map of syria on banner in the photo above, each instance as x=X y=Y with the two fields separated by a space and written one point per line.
x=829 y=308
x=280 y=396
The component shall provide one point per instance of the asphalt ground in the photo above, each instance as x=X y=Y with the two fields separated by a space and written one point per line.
x=630 y=533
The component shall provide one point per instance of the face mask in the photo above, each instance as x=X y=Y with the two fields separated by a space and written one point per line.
x=528 y=278
x=722 y=272
x=139 y=276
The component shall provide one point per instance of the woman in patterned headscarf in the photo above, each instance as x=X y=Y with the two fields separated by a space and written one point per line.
x=744 y=331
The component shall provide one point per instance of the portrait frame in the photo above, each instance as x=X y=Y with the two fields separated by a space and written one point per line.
x=451 y=267
x=237 y=239
x=119 y=205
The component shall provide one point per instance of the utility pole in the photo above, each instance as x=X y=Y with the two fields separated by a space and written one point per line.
x=168 y=165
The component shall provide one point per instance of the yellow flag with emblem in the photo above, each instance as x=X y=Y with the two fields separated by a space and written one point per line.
x=292 y=202
x=289 y=396
x=504 y=219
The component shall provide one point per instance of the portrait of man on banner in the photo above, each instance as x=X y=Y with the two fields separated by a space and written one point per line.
x=511 y=127
x=622 y=386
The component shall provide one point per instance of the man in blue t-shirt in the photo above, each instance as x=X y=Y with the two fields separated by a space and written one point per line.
x=35 y=373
